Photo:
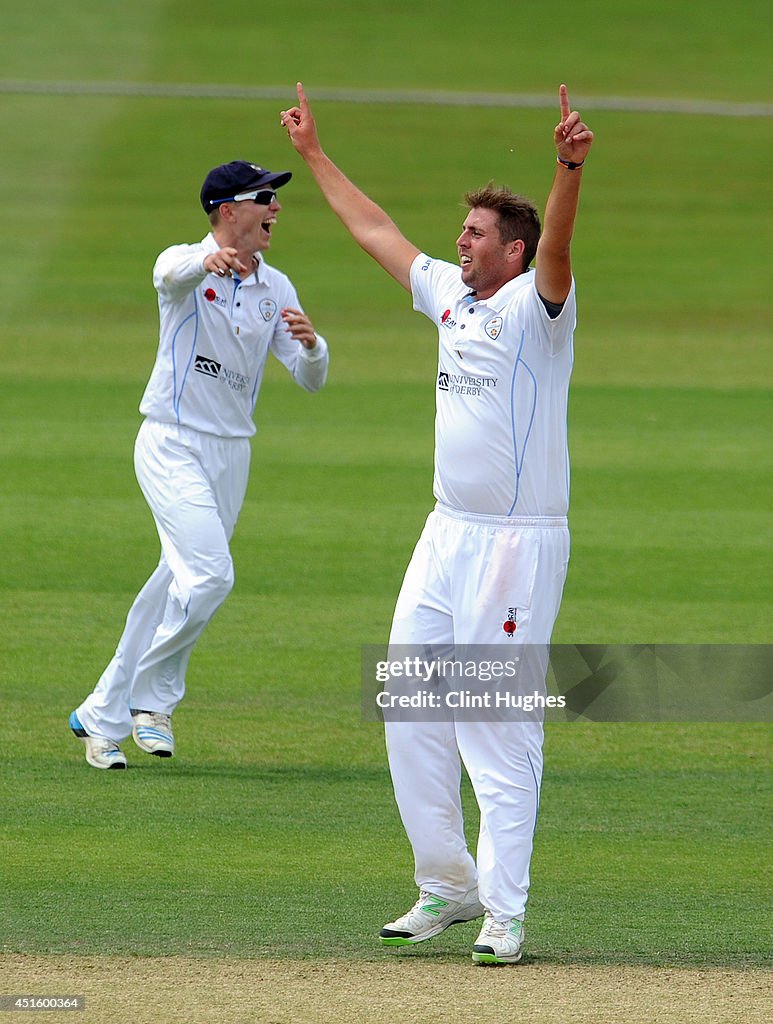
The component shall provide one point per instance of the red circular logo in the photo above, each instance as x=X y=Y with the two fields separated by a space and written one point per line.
x=509 y=627
x=210 y=294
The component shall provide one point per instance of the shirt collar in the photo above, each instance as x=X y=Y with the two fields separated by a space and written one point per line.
x=500 y=298
x=261 y=274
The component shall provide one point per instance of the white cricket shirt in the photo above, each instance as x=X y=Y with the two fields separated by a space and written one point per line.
x=502 y=391
x=215 y=336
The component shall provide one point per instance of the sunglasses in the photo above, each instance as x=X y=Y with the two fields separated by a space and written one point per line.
x=263 y=197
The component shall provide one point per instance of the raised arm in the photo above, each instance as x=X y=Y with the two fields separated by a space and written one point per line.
x=573 y=140
x=368 y=224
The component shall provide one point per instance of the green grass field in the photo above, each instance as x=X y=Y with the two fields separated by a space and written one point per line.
x=651 y=845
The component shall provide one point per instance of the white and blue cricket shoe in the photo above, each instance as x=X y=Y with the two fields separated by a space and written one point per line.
x=152 y=732
x=100 y=751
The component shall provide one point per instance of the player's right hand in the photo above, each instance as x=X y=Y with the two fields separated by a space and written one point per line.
x=223 y=262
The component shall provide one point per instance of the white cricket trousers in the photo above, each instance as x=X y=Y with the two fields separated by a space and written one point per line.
x=466 y=577
x=194 y=484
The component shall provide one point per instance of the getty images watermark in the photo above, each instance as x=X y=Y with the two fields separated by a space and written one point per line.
x=472 y=683
x=569 y=682
x=457 y=684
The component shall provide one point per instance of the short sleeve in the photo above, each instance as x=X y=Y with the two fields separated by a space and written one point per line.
x=553 y=333
x=428 y=278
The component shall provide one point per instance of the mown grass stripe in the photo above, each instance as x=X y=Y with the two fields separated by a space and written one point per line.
x=431 y=97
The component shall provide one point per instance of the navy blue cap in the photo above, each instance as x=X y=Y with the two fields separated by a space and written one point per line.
x=230 y=179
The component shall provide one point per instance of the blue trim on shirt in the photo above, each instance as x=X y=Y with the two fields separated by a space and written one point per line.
x=177 y=399
x=519 y=461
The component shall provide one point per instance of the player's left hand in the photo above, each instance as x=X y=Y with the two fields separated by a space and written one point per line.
x=572 y=136
x=299 y=325
x=300 y=125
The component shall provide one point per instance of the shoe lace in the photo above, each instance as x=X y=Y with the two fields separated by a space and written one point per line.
x=499 y=929
x=160 y=719
x=419 y=905
x=496 y=929
x=102 y=745
x=424 y=895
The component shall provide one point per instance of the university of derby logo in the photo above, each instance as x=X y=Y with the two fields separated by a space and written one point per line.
x=464 y=385
x=232 y=379
x=209 y=367
x=267 y=308
x=493 y=327
x=511 y=622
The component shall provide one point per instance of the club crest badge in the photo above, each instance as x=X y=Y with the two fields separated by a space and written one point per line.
x=267 y=308
x=493 y=327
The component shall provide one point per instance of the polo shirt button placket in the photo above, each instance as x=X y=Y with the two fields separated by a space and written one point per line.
x=237 y=305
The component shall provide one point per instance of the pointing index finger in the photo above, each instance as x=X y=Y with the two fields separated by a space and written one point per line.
x=301 y=95
x=563 y=96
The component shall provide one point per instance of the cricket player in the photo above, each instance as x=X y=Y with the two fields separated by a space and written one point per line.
x=222 y=310
x=490 y=565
